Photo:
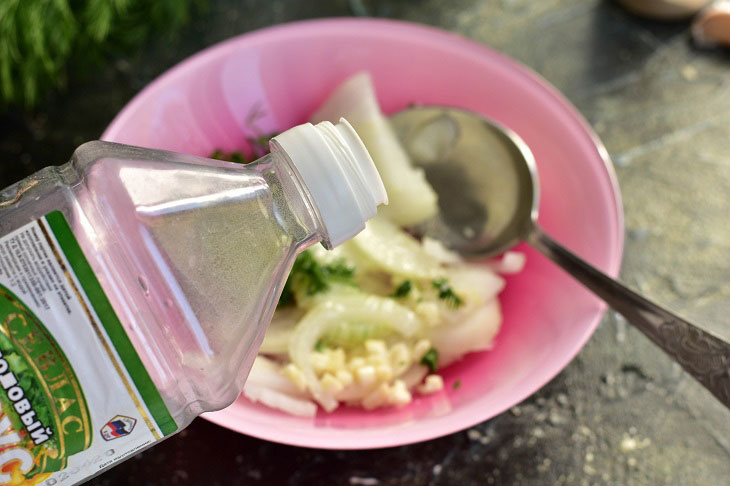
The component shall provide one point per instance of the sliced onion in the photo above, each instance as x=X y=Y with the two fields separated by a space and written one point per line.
x=414 y=375
x=392 y=250
x=511 y=262
x=411 y=198
x=476 y=283
x=475 y=332
x=280 y=401
x=280 y=330
x=267 y=373
x=437 y=250
x=322 y=317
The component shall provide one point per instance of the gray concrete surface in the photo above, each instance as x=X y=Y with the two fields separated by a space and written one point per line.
x=621 y=413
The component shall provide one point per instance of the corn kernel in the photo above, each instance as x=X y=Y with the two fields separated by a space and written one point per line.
x=357 y=363
x=384 y=372
x=421 y=347
x=296 y=376
x=400 y=358
x=377 y=397
x=377 y=360
x=375 y=347
x=429 y=312
x=345 y=377
x=399 y=394
x=330 y=384
x=366 y=375
x=319 y=361
x=337 y=358
x=431 y=384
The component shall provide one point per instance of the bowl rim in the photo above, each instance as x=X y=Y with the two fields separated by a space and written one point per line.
x=457 y=422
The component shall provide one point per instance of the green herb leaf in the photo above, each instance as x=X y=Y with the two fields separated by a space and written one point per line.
x=339 y=270
x=39 y=38
x=403 y=289
x=319 y=347
x=310 y=277
x=287 y=296
x=446 y=293
x=309 y=274
x=237 y=157
x=260 y=144
x=431 y=359
x=456 y=385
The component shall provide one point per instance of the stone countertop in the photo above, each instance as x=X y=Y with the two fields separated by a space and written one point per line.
x=621 y=412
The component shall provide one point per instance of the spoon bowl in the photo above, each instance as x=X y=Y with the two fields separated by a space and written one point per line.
x=484 y=173
x=486 y=180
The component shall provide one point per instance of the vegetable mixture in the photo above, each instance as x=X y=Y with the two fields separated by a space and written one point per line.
x=372 y=322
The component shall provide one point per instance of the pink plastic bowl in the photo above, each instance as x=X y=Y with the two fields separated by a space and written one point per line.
x=285 y=72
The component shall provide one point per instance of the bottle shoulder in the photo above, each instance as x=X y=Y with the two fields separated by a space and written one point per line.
x=192 y=257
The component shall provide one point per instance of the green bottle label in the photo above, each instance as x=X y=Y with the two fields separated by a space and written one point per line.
x=40 y=393
x=74 y=395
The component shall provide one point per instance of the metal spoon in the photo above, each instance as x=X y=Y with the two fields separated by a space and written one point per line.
x=486 y=180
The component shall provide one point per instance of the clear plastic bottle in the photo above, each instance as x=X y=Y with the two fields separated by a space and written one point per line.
x=189 y=256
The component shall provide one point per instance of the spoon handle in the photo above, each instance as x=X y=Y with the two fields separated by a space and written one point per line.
x=704 y=356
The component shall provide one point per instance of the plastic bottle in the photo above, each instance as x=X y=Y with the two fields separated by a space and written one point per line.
x=136 y=286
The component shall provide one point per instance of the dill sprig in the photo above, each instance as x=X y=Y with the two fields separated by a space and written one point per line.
x=403 y=290
x=446 y=293
x=38 y=38
x=310 y=277
x=430 y=359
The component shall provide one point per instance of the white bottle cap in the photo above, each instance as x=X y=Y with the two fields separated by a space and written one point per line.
x=339 y=174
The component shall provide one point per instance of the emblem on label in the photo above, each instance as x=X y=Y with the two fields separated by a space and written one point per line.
x=119 y=426
x=43 y=412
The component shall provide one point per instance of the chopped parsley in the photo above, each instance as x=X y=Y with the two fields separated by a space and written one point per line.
x=287 y=296
x=308 y=274
x=260 y=144
x=319 y=347
x=309 y=277
x=431 y=359
x=259 y=147
x=340 y=271
x=446 y=293
x=456 y=385
x=238 y=157
x=235 y=156
x=403 y=289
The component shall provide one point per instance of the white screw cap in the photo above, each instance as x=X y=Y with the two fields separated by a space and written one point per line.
x=339 y=174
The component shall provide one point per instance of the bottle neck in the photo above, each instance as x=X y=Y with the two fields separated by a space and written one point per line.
x=293 y=211
x=340 y=178
x=294 y=208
